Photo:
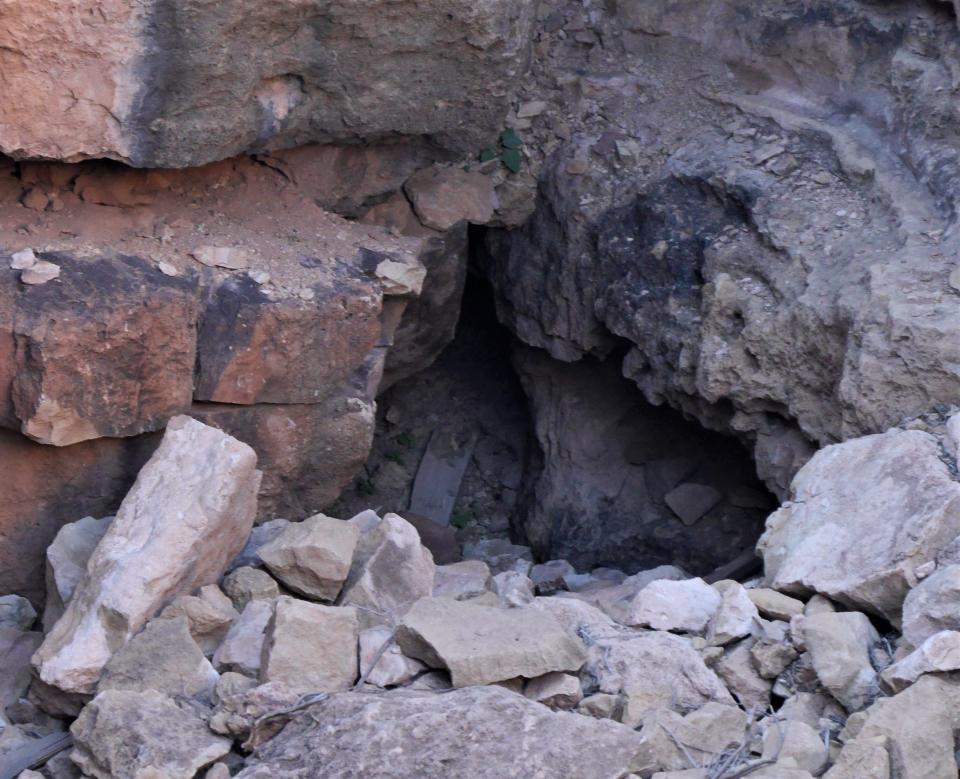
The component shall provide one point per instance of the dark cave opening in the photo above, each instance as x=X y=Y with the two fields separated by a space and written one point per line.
x=567 y=458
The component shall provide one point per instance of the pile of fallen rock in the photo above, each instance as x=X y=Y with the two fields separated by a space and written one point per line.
x=179 y=640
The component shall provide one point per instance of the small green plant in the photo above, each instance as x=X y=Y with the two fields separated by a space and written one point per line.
x=365 y=487
x=508 y=150
x=394 y=456
x=406 y=440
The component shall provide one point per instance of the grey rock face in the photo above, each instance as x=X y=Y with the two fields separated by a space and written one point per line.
x=404 y=734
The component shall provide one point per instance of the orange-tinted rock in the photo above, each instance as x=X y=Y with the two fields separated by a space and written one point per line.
x=107 y=349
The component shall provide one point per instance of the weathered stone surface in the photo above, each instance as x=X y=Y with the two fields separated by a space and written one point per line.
x=209 y=615
x=246 y=584
x=829 y=541
x=500 y=555
x=356 y=733
x=862 y=757
x=940 y=652
x=310 y=647
x=312 y=557
x=736 y=615
x=513 y=588
x=654 y=670
x=839 y=645
x=16 y=612
x=392 y=667
x=481 y=644
x=463 y=580
x=107 y=351
x=798 y=742
x=933 y=605
x=237 y=710
x=165 y=658
x=391 y=570
x=675 y=605
x=300 y=81
x=67 y=560
x=261 y=534
x=123 y=735
x=442 y=197
x=186 y=517
x=771 y=658
x=16 y=647
x=740 y=675
x=691 y=501
x=775 y=605
x=242 y=648
x=556 y=690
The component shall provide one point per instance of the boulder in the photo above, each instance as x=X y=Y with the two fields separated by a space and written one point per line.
x=242 y=647
x=393 y=667
x=311 y=647
x=67 y=560
x=828 y=540
x=237 y=710
x=246 y=584
x=798 y=742
x=775 y=605
x=16 y=612
x=513 y=588
x=839 y=645
x=209 y=615
x=556 y=690
x=16 y=648
x=740 y=674
x=933 y=605
x=686 y=606
x=443 y=197
x=391 y=570
x=654 y=670
x=483 y=644
x=404 y=734
x=122 y=734
x=463 y=580
x=186 y=517
x=165 y=658
x=736 y=615
x=551 y=576
x=940 y=652
x=861 y=757
x=312 y=557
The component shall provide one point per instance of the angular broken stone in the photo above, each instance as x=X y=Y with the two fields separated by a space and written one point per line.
x=23 y=259
x=165 y=658
x=442 y=197
x=237 y=710
x=242 y=648
x=691 y=501
x=391 y=571
x=261 y=535
x=393 y=667
x=839 y=645
x=230 y=257
x=403 y=734
x=549 y=577
x=798 y=742
x=483 y=644
x=828 y=540
x=312 y=557
x=675 y=605
x=16 y=647
x=740 y=675
x=861 y=757
x=500 y=555
x=184 y=519
x=209 y=615
x=513 y=588
x=736 y=615
x=463 y=580
x=245 y=584
x=775 y=605
x=940 y=652
x=40 y=273
x=16 y=612
x=311 y=647
x=122 y=733
x=67 y=559
x=556 y=690
x=933 y=605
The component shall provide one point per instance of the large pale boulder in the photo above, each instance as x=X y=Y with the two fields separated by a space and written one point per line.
x=481 y=732
x=123 y=734
x=933 y=605
x=484 y=644
x=311 y=647
x=839 y=645
x=940 y=652
x=391 y=570
x=865 y=515
x=736 y=616
x=67 y=560
x=186 y=517
x=686 y=606
x=312 y=557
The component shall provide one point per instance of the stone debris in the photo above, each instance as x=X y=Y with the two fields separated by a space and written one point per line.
x=462 y=581
x=312 y=557
x=16 y=612
x=684 y=606
x=775 y=605
x=513 y=588
x=40 y=272
x=940 y=652
x=246 y=584
x=839 y=646
x=933 y=605
x=442 y=197
x=555 y=690
x=229 y=257
x=735 y=617
x=23 y=259
x=392 y=667
x=209 y=615
x=67 y=559
x=691 y=501
x=242 y=647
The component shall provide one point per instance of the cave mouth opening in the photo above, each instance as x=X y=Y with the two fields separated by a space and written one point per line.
x=567 y=458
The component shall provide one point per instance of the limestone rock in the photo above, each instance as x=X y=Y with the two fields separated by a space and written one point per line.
x=500 y=555
x=165 y=658
x=310 y=647
x=209 y=615
x=403 y=734
x=261 y=535
x=775 y=605
x=185 y=518
x=246 y=584
x=123 y=734
x=862 y=757
x=391 y=570
x=771 y=658
x=442 y=197
x=551 y=576
x=67 y=560
x=795 y=741
x=713 y=728
x=579 y=618
x=556 y=690
x=16 y=647
x=481 y=644
x=654 y=670
x=601 y=705
x=513 y=588
x=40 y=273
x=940 y=652
x=238 y=710
x=736 y=615
x=839 y=645
x=16 y=612
x=933 y=605
x=463 y=580
x=740 y=674
x=241 y=649
x=675 y=605
x=393 y=667
x=312 y=557
x=829 y=541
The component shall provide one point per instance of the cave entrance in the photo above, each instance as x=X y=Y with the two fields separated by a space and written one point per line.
x=567 y=458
